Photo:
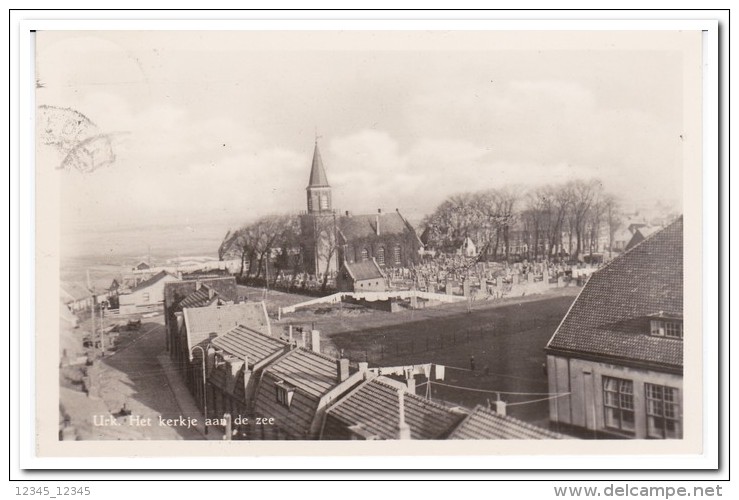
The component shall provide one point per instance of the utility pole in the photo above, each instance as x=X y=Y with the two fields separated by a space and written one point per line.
x=92 y=309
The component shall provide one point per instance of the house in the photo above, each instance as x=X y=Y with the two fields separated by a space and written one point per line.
x=484 y=423
x=296 y=389
x=147 y=296
x=175 y=292
x=361 y=277
x=621 y=238
x=142 y=266
x=236 y=361
x=640 y=234
x=199 y=326
x=617 y=356
x=381 y=408
x=467 y=248
x=76 y=296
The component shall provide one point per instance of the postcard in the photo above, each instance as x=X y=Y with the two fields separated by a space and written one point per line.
x=280 y=242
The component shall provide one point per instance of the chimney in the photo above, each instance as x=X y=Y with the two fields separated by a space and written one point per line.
x=315 y=341
x=247 y=374
x=500 y=408
x=410 y=381
x=198 y=284
x=404 y=430
x=290 y=333
x=363 y=367
x=342 y=369
x=302 y=340
x=377 y=221
x=347 y=213
x=211 y=293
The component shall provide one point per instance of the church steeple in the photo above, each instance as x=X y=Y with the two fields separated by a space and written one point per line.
x=318 y=190
x=317 y=173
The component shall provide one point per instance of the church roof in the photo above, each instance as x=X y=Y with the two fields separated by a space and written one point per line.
x=356 y=227
x=317 y=173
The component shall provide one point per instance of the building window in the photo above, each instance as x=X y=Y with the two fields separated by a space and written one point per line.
x=618 y=402
x=365 y=254
x=671 y=329
x=663 y=412
x=324 y=202
x=284 y=393
x=396 y=254
x=310 y=203
x=381 y=256
x=145 y=297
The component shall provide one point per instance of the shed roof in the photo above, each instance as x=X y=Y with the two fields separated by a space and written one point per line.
x=243 y=341
x=366 y=270
x=484 y=423
x=376 y=408
x=304 y=369
x=202 y=322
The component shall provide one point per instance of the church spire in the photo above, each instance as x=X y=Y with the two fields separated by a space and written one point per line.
x=317 y=173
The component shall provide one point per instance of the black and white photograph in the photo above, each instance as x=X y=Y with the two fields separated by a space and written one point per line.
x=334 y=235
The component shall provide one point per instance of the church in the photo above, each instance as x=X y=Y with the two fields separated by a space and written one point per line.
x=329 y=239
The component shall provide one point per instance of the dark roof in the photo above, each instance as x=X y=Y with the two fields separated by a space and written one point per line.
x=176 y=291
x=356 y=227
x=147 y=283
x=244 y=341
x=375 y=407
x=366 y=270
x=484 y=423
x=199 y=298
x=201 y=322
x=304 y=369
x=611 y=316
x=317 y=173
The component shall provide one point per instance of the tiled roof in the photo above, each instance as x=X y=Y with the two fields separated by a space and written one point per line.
x=199 y=298
x=154 y=279
x=375 y=407
x=201 y=322
x=610 y=317
x=317 y=173
x=310 y=371
x=355 y=227
x=484 y=423
x=366 y=270
x=244 y=341
x=174 y=292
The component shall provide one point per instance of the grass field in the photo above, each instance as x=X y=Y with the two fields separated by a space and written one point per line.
x=506 y=338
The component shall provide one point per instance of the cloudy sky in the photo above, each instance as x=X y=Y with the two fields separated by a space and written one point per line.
x=220 y=125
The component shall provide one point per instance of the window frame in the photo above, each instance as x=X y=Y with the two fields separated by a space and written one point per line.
x=656 y=405
x=619 y=405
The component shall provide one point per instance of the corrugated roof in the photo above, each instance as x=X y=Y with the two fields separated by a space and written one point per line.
x=484 y=423
x=355 y=227
x=244 y=341
x=376 y=408
x=366 y=270
x=317 y=173
x=610 y=317
x=314 y=373
x=201 y=322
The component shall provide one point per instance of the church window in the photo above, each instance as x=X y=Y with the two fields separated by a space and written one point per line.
x=381 y=256
x=324 y=202
x=365 y=254
x=396 y=254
